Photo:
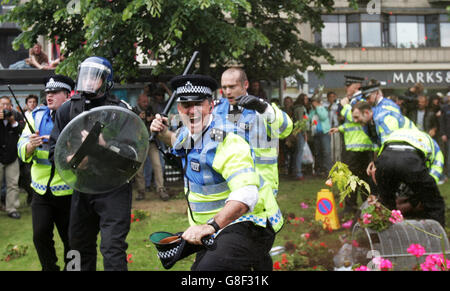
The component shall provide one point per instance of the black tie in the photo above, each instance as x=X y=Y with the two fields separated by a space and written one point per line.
x=53 y=114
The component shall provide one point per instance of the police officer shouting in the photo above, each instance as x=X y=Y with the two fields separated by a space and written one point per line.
x=225 y=195
x=108 y=212
x=51 y=195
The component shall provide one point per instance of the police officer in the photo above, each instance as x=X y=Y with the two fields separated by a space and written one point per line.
x=359 y=148
x=383 y=121
x=110 y=212
x=261 y=124
x=373 y=95
x=226 y=197
x=411 y=157
x=51 y=195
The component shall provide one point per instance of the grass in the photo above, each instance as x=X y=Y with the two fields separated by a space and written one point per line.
x=171 y=216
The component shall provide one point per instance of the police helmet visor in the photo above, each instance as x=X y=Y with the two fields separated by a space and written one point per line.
x=92 y=77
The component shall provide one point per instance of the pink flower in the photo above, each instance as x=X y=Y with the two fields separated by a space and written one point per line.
x=366 y=218
x=383 y=264
x=347 y=224
x=416 y=250
x=304 y=205
x=306 y=235
x=355 y=244
x=396 y=216
x=362 y=268
x=435 y=262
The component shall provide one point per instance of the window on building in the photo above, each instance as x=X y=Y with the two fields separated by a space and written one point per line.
x=413 y=31
x=444 y=27
x=371 y=30
x=334 y=33
x=384 y=30
x=432 y=31
x=353 y=30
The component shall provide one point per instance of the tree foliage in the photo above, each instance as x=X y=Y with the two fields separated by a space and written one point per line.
x=262 y=35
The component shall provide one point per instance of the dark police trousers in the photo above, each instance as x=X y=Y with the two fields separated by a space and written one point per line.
x=242 y=246
x=47 y=211
x=409 y=167
x=108 y=214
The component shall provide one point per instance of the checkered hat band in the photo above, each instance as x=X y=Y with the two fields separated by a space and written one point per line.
x=169 y=253
x=57 y=85
x=190 y=89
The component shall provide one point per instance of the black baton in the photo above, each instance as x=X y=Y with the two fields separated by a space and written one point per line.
x=172 y=98
x=21 y=110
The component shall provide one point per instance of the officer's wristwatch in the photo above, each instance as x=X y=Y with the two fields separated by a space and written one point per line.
x=214 y=224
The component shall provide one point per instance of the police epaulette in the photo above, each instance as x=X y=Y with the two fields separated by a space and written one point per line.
x=218 y=134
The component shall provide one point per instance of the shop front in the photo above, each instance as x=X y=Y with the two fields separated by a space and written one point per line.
x=395 y=79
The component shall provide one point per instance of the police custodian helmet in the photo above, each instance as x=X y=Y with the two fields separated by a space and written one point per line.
x=193 y=87
x=58 y=82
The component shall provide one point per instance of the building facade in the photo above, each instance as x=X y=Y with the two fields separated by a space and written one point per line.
x=399 y=42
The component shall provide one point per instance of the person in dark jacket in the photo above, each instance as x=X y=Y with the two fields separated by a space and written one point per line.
x=11 y=126
x=108 y=213
x=423 y=117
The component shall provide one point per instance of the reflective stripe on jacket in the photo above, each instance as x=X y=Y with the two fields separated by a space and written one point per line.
x=213 y=169
x=41 y=168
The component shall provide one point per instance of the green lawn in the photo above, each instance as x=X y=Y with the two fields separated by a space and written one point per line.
x=171 y=216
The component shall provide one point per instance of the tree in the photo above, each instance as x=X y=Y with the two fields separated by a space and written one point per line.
x=262 y=35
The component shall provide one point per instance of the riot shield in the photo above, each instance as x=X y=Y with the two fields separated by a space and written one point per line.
x=101 y=149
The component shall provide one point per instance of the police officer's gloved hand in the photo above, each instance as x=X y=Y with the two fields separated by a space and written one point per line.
x=252 y=102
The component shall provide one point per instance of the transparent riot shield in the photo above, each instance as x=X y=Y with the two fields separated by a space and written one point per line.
x=101 y=149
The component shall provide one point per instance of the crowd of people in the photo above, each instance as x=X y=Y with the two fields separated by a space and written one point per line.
x=428 y=113
x=397 y=144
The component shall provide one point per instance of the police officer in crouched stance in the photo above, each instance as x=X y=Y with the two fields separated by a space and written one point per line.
x=411 y=157
x=51 y=195
x=226 y=197
x=109 y=212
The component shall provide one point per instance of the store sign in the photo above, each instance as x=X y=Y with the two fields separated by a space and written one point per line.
x=424 y=77
x=393 y=79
